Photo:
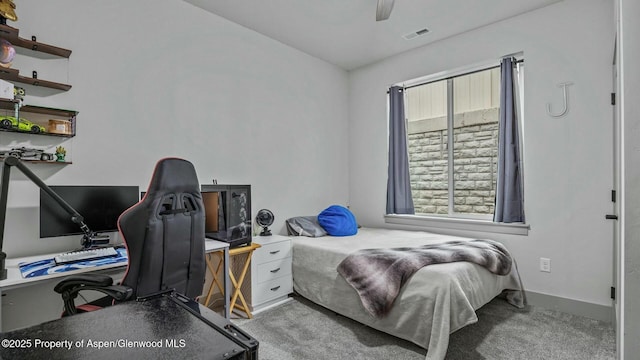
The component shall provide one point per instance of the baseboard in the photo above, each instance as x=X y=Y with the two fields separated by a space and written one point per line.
x=571 y=306
x=270 y=305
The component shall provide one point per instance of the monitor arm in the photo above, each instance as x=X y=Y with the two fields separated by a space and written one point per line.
x=87 y=238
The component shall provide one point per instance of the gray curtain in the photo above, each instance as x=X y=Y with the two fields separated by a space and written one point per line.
x=399 y=200
x=509 y=200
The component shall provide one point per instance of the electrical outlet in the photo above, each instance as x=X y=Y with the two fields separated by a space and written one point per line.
x=545 y=264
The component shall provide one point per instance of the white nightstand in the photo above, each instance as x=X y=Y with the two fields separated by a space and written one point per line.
x=271 y=279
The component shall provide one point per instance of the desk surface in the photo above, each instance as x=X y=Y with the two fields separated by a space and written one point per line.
x=162 y=327
x=14 y=277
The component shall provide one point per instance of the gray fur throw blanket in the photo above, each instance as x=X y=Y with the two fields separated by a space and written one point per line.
x=379 y=274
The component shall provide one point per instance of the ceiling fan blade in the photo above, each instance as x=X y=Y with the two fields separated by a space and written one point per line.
x=384 y=9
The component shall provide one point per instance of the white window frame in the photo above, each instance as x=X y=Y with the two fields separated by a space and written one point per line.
x=453 y=220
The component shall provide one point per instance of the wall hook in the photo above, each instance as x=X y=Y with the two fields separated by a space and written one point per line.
x=566 y=103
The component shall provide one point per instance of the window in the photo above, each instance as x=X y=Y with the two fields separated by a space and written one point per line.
x=455 y=175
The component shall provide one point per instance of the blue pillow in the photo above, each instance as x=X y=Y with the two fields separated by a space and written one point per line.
x=338 y=221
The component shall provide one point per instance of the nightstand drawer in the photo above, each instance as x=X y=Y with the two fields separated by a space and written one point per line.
x=274 y=269
x=271 y=252
x=273 y=289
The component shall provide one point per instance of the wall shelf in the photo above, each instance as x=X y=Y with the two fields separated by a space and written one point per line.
x=8 y=104
x=32 y=47
x=53 y=162
x=39 y=115
x=40 y=134
x=36 y=49
x=13 y=75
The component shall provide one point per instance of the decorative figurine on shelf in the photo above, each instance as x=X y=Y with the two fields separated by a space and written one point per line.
x=20 y=124
x=7 y=11
x=60 y=153
x=7 y=52
x=18 y=93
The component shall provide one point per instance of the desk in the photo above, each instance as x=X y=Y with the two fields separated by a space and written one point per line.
x=221 y=249
x=15 y=280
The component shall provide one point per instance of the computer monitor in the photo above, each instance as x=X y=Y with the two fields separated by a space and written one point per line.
x=99 y=205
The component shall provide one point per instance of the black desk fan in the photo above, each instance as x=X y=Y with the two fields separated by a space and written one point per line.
x=264 y=219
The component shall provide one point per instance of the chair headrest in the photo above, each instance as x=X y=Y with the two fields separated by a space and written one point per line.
x=174 y=175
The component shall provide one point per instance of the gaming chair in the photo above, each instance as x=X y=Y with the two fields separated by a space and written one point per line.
x=164 y=238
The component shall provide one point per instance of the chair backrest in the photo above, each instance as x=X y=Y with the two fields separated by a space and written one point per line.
x=164 y=233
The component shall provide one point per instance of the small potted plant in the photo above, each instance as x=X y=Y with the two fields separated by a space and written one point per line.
x=60 y=153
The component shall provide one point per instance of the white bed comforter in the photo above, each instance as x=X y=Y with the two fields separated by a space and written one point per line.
x=436 y=301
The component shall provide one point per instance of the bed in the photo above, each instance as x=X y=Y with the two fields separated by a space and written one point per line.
x=436 y=301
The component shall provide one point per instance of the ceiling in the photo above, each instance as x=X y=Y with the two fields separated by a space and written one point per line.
x=345 y=32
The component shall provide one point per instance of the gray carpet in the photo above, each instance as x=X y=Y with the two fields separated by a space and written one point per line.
x=300 y=330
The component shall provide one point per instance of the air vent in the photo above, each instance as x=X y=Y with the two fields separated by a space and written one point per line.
x=415 y=34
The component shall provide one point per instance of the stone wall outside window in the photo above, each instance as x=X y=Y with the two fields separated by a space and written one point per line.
x=475 y=155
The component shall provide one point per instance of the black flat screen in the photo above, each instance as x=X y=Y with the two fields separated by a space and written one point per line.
x=100 y=206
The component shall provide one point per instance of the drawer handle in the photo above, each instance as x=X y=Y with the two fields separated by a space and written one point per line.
x=274 y=252
x=275 y=270
x=275 y=288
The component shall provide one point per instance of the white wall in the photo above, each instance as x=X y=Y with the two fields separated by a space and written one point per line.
x=568 y=161
x=156 y=78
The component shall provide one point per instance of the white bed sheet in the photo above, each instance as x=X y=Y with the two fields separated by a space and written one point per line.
x=436 y=301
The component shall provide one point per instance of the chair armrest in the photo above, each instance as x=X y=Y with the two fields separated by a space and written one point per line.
x=83 y=280
x=117 y=292
x=70 y=286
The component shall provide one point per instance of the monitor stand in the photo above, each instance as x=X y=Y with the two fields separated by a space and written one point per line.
x=95 y=240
